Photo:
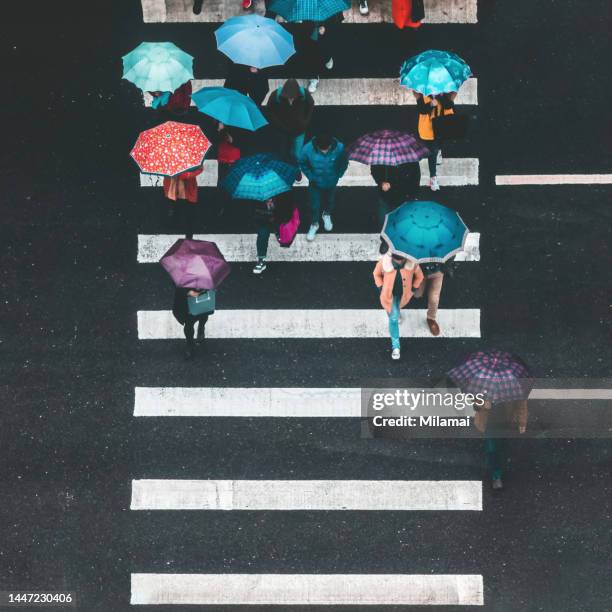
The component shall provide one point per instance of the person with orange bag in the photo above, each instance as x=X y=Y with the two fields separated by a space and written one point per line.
x=182 y=187
x=407 y=13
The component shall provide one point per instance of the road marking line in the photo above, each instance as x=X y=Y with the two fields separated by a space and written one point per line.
x=375 y=495
x=285 y=402
x=553 y=179
x=310 y=324
x=453 y=172
x=216 y=11
x=355 y=92
x=327 y=247
x=308 y=589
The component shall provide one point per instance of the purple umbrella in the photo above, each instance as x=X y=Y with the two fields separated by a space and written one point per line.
x=197 y=264
x=500 y=376
x=387 y=148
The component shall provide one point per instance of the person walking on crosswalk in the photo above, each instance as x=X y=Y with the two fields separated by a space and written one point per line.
x=395 y=277
x=269 y=215
x=249 y=81
x=323 y=160
x=430 y=107
x=289 y=109
x=434 y=277
x=317 y=52
x=181 y=313
x=396 y=185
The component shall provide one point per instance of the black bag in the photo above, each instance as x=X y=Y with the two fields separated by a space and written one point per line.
x=450 y=127
x=418 y=10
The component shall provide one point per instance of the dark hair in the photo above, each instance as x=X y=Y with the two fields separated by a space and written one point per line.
x=384 y=247
x=323 y=141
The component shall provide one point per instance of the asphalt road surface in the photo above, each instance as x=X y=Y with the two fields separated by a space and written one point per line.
x=72 y=286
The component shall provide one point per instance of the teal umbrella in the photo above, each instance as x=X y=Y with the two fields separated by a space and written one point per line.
x=434 y=72
x=230 y=107
x=309 y=10
x=256 y=41
x=157 y=66
x=424 y=232
x=259 y=177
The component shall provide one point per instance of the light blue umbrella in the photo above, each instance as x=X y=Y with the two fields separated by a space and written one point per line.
x=230 y=107
x=424 y=232
x=259 y=177
x=309 y=10
x=157 y=66
x=434 y=72
x=254 y=41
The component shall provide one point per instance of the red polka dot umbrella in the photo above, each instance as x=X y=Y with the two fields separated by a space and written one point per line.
x=170 y=149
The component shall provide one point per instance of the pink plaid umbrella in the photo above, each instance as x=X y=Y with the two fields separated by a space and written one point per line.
x=387 y=148
x=196 y=264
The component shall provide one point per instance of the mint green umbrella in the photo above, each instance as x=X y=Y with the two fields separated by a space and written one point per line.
x=157 y=66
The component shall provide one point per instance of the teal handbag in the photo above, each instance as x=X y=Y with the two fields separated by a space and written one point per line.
x=202 y=304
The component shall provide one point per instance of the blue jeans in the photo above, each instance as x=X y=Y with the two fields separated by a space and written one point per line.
x=317 y=194
x=494 y=457
x=394 y=323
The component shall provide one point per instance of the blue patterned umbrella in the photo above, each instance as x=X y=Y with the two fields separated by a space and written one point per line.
x=254 y=41
x=157 y=66
x=230 y=107
x=424 y=232
x=309 y=10
x=434 y=72
x=259 y=177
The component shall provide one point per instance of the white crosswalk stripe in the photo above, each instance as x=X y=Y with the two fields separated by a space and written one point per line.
x=354 y=92
x=326 y=247
x=286 y=402
x=461 y=172
x=515 y=180
x=180 y=11
x=307 y=324
x=308 y=589
x=374 y=495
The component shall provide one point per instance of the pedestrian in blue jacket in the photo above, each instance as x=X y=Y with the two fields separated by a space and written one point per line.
x=323 y=160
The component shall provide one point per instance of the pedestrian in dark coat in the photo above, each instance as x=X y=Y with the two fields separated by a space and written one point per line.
x=174 y=103
x=269 y=215
x=181 y=313
x=396 y=185
x=515 y=413
x=289 y=109
x=248 y=80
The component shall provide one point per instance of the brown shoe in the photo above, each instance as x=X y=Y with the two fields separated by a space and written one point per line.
x=434 y=328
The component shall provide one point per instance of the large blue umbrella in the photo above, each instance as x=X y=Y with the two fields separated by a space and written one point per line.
x=157 y=66
x=424 y=232
x=434 y=72
x=230 y=107
x=254 y=41
x=259 y=177
x=309 y=10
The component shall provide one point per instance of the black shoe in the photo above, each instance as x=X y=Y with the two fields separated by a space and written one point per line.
x=200 y=336
x=197 y=6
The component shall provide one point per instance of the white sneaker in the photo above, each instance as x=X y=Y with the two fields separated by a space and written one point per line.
x=312 y=232
x=433 y=184
x=260 y=266
x=330 y=64
x=327 y=223
x=363 y=7
x=312 y=85
x=395 y=354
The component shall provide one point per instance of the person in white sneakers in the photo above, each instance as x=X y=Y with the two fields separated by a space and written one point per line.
x=396 y=278
x=318 y=52
x=430 y=107
x=323 y=160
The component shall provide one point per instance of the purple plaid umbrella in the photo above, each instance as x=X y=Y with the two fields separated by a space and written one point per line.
x=500 y=376
x=387 y=148
x=197 y=264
